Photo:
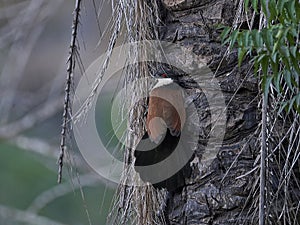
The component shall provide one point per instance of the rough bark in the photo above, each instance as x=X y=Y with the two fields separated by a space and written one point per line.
x=216 y=195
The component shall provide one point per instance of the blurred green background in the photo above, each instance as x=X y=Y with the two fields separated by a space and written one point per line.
x=34 y=45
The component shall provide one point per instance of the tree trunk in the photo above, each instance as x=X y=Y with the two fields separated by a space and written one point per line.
x=219 y=193
x=226 y=190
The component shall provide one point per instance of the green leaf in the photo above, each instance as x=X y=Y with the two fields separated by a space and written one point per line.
x=266 y=82
x=265 y=8
x=295 y=63
x=274 y=67
x=297 y=7
x=297 y=103
x=293 y=51
x=275 y=48
x=274 y=57
x=290 y=6
x=272 y=9
x=283 y=106
x=285 y=55
x=280 y=4
x=240 y=40
x=227 y=40
x=294 y=78
x=291 y=38
x=254 y=5
x=281 y=18
x=279 y=33
x=225 y=33
x=264 y=62
x=246 y=5
x=285 y=63
x=276 y=81
x=267 y=35
x=247 y=38
x=260 y=57
x=233 y=38
x=241 y=54
x=284 y=51
x=291 y=103
x=294 y=31
x=257 y=38
x=288 y=79
x=256 y=65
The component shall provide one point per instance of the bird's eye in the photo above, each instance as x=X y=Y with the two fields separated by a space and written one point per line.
x=164 y=75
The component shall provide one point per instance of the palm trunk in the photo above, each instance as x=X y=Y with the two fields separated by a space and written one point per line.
x=217 y=194
x=226 y=190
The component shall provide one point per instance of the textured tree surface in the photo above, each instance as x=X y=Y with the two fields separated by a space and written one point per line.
x=224 y=184
x=217 y=194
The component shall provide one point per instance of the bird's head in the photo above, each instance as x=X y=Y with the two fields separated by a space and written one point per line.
x=163 y=78
x=161 y=75
x=167 y=74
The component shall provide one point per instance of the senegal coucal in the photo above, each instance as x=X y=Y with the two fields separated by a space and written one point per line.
x=161 y=157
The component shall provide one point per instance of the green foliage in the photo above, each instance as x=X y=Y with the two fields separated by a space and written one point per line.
x=274 y=49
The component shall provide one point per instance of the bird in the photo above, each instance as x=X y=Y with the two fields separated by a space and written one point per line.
x=165 y=121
